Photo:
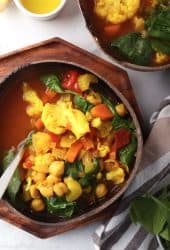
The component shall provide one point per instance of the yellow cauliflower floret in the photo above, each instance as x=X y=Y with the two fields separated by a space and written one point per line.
x=57 y=118
x=94 y=98
x=117 y=175
x=85 y=80
x=67 y=140
x=160 y=58
x=35 y=107
x=41 y=142
x=59 y=153
x=138 y=23
x=117 y=11
x=74 y=188
x=103 y=150
x=105 y=129
x=42 y=162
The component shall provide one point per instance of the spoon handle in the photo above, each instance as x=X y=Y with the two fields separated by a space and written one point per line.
x=7 y=175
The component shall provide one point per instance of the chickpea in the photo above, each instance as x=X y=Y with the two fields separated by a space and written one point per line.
x=121 y=109
x=38 y=177
x=60 y=189
x=34 y=192
x=101 y=190
x=46 y=191
x=37 y=205
x=51 y=179
x=57 y=168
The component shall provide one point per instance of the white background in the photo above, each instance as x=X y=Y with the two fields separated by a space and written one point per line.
x=16 y=31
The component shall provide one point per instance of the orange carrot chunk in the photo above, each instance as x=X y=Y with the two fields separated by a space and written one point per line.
x=102 y=111
x=51 y=94
x=39 y=124
x=73 y=151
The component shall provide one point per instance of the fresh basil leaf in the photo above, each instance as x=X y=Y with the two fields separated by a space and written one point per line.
x=15 y=182
x=148 y=213
x=134 y=47
x=82 y=103
x=60 y=206
x=52 y=82
x=158 y=25
x=120 y=122
x=127 y=153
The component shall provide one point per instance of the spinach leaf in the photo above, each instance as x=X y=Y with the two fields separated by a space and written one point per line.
x=120 y=122
x=127 y=153
x=90 y=177
x=110 y=105
x=148 y=213
x=15 y=182
x=136 y=49
x=52 y=82
x=82 y=103
x=161 y=46
x=73 y=169
x=59 y=206
x=158 y=25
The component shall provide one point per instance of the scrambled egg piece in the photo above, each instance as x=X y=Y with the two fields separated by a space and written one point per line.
x=160 y=58
x=35 y=104
x=61 y=116
x=116 y=11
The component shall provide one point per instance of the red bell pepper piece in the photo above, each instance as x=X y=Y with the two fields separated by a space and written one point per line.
x=70 y=81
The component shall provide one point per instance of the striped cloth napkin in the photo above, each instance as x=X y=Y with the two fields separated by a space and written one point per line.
x=119 y=233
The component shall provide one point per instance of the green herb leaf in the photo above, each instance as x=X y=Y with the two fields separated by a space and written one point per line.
x=127 y=153
x=15 y=182
x=160 y=46
x=52 y=82
x=136 y=49
x=148 y=213
x=158 y=24
x=60 y=206
x=73 y=169
x=82 y=103
x=120 y=122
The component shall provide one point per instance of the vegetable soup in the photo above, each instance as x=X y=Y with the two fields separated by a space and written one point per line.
x=137 y=31
x=81 y=149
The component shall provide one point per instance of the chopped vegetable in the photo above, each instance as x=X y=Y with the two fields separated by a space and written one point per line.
x=122 y=138
x=73 y=151
x=52 y=82
x=136 y=49
x=70 y=81
x=73 y=169
x=119 y=122
x=84 y=81
x=84 y=105
x=126 y=154
x=101 y=111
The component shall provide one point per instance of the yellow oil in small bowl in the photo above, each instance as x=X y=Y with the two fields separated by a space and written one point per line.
x=41 y=6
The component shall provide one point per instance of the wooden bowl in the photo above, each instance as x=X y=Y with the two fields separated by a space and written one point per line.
x=46 y=227
x=126 y=64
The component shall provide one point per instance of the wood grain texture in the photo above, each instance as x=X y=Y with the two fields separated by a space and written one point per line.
x=58 y=50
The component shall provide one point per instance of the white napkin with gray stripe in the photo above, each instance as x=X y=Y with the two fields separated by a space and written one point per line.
x=119 y=233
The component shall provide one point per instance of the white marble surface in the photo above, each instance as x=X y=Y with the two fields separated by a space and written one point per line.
x=18 y=31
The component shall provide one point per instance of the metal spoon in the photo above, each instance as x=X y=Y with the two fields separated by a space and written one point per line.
x=8 y=173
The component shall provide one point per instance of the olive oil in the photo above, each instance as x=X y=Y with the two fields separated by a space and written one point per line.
x=40 y=6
